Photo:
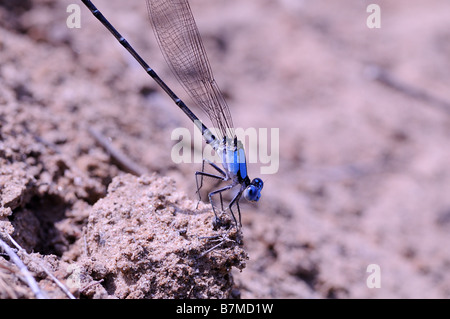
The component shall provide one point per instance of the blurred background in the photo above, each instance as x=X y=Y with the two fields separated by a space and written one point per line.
x=363 y=115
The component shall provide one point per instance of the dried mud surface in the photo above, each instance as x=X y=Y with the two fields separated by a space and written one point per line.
x=363 y=178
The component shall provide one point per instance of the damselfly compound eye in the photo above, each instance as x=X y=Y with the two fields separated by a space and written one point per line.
x=253 y=191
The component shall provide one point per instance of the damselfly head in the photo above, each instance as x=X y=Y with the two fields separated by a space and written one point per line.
x=253 y=191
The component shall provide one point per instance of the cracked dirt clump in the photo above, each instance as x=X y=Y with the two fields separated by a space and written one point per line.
x=144 y=240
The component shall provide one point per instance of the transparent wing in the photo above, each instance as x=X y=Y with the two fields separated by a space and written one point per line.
x=182 y=47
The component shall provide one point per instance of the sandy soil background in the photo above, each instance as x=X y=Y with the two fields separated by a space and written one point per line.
x=364 y=176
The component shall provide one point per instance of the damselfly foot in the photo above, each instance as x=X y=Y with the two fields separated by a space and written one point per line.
x=230 y=238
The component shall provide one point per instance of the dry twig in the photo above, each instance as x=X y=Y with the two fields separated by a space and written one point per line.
x=379 y=74
x=123 y=161
x=23 y=269
x=52 y=277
